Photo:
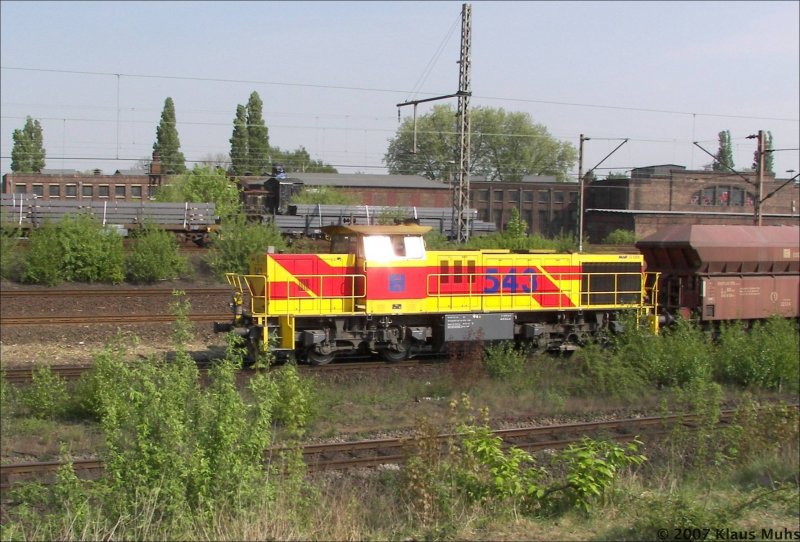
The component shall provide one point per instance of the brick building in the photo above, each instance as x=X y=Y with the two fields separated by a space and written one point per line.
x=547 y=206
x=658 y=196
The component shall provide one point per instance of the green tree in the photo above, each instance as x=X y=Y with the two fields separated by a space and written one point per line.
x=769 y=163
x=237 y=241
x=299 y=161
x=257 y=137
x=167 y=142
x=239 y=165
x=505 y=146
x=724 y=157
x=27 y=154
x=203 y=184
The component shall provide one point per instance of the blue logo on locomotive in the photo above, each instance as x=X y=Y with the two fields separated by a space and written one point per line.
x=397 y=282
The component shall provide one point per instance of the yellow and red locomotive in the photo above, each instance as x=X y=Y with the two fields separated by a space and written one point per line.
x=379 y=290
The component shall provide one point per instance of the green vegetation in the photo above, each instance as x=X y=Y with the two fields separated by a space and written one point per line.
x=27 y=154
x=620 y=237
x=505 y=146
x=204 y=184
x=167 y=143
x=10 y=256
x=239 y=239
x=185 y=460
x=76 y=249
x=154 y=256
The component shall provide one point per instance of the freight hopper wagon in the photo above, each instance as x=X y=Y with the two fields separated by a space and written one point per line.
x=718 y=273
x=380 y=291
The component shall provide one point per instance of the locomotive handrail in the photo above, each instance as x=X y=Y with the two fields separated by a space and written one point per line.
x=524 y=286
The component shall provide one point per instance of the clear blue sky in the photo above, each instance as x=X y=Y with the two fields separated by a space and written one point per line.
x=663 y=74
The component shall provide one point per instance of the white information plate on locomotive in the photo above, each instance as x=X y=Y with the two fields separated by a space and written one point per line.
x=479 y=326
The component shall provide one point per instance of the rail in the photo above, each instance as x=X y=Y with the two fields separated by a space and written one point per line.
x=371 y=453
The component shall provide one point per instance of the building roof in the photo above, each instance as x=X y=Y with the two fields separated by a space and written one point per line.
x=59 y=172
x=132 y=172
x=358 y=180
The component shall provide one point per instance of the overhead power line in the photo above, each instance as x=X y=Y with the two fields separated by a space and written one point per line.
x=373 y=89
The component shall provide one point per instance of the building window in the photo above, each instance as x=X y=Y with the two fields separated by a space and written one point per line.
x=529 y=220
x=485 y=215
x=21 y=189
x=544 y=223
x=71 y=190
x=38 y=190
x=136 y=191
x=86 y=191
x=119 y=191
x=558 y=197
x=102 y=191
x=708 y=197
x=483 y=195
x=573 y=197
x=513 y=196
x=498 y=217
x=527 y=196
x=498 y=195
x=737 y=197
x=54 y=190
x=544 y=196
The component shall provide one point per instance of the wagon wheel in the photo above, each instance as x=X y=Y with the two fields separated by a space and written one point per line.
x=315 y=358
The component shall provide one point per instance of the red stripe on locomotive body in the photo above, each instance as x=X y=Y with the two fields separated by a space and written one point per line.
x=319 y=279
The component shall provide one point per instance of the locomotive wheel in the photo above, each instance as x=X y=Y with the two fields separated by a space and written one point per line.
x=395 y=356
x=315 y=358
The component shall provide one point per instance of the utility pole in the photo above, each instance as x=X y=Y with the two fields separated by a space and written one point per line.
x=461 y=192
x=581 y=175
x=461 y=189
x=580 y=192
x=761 y=155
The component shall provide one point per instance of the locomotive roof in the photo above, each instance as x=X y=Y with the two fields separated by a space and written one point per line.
x=378 y=229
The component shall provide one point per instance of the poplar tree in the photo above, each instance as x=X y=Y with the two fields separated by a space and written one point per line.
x=724 y=157
x=257 y=137
x=769 y=159
x=167 y=142
x=239 y=155
x=27 y=154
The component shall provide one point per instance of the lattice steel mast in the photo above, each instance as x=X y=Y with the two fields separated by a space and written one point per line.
x=461 y=225
x=461 y=192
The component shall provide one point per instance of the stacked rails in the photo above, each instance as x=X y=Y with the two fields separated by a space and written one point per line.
x=309 y=219
x=25 y=212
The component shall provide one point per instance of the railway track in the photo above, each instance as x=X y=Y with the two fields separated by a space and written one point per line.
x=108 y=319
x=111 y=292
x=393 y=451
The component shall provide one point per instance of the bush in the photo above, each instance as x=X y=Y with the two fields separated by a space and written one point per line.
x=768 y=355
x=76 y=249
x=10 y=256
x=46 y=397
x=44 y=261
x=607 y=374
x=154 y=256
x=504 y=360
x=620 y=237
x=237 y=241
x=684 y=355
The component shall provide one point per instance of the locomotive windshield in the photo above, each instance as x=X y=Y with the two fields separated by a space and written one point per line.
x=383 y=248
